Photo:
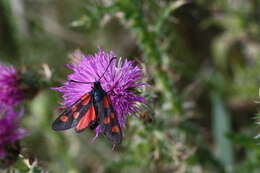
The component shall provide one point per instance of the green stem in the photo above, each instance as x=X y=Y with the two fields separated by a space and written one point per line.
x=9 y=39
x=148 y=43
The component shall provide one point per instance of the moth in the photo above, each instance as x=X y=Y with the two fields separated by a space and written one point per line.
x=90 y=110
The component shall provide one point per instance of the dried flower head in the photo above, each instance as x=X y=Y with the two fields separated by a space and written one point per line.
x=10 y=94
x=120 y=81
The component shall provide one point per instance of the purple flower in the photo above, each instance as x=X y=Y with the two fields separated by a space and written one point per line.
x=10 y=130
x=10 y=94
x=120 y=81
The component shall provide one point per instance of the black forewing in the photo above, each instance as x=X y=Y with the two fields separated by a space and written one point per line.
x=71 y=116
x=108 y=120
x=88 y=118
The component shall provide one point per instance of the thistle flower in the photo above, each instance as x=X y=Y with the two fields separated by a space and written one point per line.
x=10 y=94
x=10 y=131
x=119 y=81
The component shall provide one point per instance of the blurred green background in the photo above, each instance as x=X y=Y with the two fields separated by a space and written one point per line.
x=201 y=59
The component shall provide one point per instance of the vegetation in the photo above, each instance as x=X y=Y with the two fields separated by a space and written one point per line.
x=201 y=60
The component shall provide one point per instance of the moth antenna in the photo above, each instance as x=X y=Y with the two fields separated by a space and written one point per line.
x=80 y=82
x=107 y=68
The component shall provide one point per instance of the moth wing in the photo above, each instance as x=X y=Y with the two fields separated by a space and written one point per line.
x=88 y=118
x=71 y=116
x=108 y=121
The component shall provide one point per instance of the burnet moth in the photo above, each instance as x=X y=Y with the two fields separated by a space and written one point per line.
x=90 y=110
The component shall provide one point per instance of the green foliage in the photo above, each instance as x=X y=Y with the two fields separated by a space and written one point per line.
x=201 y=59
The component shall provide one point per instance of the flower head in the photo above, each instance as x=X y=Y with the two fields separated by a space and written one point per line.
x=10 y=130
x=118 y=81
x=10 y=94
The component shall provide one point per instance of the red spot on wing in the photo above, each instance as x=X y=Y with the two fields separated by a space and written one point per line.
x=89 y=116
x=106 y=120
x=112 y=115
x=106 y=102
x=85 y=100
x=115 y=129
x=84 y=96
x=64 y=118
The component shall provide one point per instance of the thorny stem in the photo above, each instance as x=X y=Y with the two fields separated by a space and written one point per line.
x=154 y=55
